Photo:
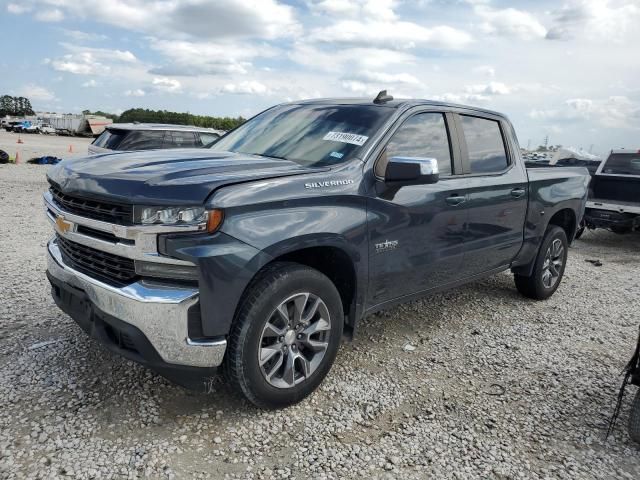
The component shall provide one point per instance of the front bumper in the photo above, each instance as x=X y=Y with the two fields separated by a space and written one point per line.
x=152 y=312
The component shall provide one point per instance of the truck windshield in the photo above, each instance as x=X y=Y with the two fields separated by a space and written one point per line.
x=622 y=164
x=311 y=135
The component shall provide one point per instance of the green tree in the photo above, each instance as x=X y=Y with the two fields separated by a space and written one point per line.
x=16 y=106
x=165 y=116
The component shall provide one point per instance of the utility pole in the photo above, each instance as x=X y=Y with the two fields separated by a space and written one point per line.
x=546 y=141
x=529 y=145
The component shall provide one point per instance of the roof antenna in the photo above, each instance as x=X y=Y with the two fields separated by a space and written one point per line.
x=382 y=97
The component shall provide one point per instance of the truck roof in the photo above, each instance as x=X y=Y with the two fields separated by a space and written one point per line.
x=395 y=103
x=159 y=126
x=631 y=151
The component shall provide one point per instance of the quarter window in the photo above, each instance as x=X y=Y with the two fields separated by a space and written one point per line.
x=484 y=144
x=142 y=140
x=174 y=139
x=424 y=135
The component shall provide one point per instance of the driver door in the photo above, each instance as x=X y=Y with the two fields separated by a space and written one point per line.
x=416 y=232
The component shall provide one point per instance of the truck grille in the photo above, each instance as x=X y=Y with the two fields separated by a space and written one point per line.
x=112 y=269
x=118 y=213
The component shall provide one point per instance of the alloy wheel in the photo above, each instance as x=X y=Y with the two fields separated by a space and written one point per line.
x=294 y=340
x=553 y=262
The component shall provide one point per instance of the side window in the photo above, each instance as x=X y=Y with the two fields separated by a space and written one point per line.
x=485 y=144
x=180 y=140
x=423 y=135
x=142 y=140
x=207 y=138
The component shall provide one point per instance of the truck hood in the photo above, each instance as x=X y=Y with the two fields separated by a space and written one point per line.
x=165 y=177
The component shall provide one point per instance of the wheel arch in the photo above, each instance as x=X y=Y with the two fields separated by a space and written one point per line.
x=565 y=219
x=339 y=264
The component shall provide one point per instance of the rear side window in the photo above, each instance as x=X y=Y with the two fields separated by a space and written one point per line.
x=622 y=164
x=142 y=140
x=180 y=140
x=423 y=135
x=208 y=138
x=485 y=145
x=110 y=138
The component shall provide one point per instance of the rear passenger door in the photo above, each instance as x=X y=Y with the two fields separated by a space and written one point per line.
x=496 y=187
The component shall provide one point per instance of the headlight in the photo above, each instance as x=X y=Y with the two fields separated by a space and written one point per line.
x=179 y=216
x=172 y=215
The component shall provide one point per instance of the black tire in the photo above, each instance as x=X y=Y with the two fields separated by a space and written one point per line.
x=278 y=282
x=634 y=419
x=535 y=286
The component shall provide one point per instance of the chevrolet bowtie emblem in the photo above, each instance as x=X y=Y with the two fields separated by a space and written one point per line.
x=62 y=225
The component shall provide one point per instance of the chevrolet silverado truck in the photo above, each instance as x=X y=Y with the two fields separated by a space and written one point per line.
x=614 y=200
x=258 y=255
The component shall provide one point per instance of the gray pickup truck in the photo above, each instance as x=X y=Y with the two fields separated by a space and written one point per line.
x=260 y=253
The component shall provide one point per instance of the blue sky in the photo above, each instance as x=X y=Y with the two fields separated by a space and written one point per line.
x=568 y=69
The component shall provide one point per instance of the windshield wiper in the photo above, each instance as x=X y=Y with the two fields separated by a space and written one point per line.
x=269 y=156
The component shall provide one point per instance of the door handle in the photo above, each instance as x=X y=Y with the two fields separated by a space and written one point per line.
x=518 y=192
x=456 y=200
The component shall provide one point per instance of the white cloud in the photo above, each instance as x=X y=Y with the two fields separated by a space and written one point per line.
x=485 y=70
x=358 y=9
x=250 y=87
x=81 y=36
x=510 y=22
x=397 y=35
x=90 y=84
x=192 y=19
x=164 y=84
x=138 y=92
x=18 y=8
x=37 y=93
x=50 y=15
x=602 y=20
x=91 y=61
x=619 y=112
x=492 y=88
x=211 y=58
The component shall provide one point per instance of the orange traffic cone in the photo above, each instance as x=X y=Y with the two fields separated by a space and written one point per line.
x=17 y=158
x=70 y=148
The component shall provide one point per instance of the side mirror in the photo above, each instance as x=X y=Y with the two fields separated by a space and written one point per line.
x=411 y=171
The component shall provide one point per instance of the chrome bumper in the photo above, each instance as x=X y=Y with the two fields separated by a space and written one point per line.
x=158 y=311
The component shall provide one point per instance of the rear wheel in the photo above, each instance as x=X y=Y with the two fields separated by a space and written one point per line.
x=285 y=336
x=549 y=266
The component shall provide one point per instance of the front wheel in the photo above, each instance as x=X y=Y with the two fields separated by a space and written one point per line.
x=549 y=267
x=286 y=335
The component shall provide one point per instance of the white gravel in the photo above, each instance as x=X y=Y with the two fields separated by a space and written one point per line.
x=495 y=386
x=34 y=145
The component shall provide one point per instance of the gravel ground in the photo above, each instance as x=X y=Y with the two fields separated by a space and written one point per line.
x=497 y=386
x=35 y=145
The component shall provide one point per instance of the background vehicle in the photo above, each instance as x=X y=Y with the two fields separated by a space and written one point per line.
x=47 y=129
x=21 y=126
x=151 y=136
x=256 y=254
x=40 y=128
x=614 y=200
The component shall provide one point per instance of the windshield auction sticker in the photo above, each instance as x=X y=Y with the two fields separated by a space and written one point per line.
x=346 y=138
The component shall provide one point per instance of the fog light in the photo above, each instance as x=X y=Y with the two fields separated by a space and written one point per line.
x=164 y=270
